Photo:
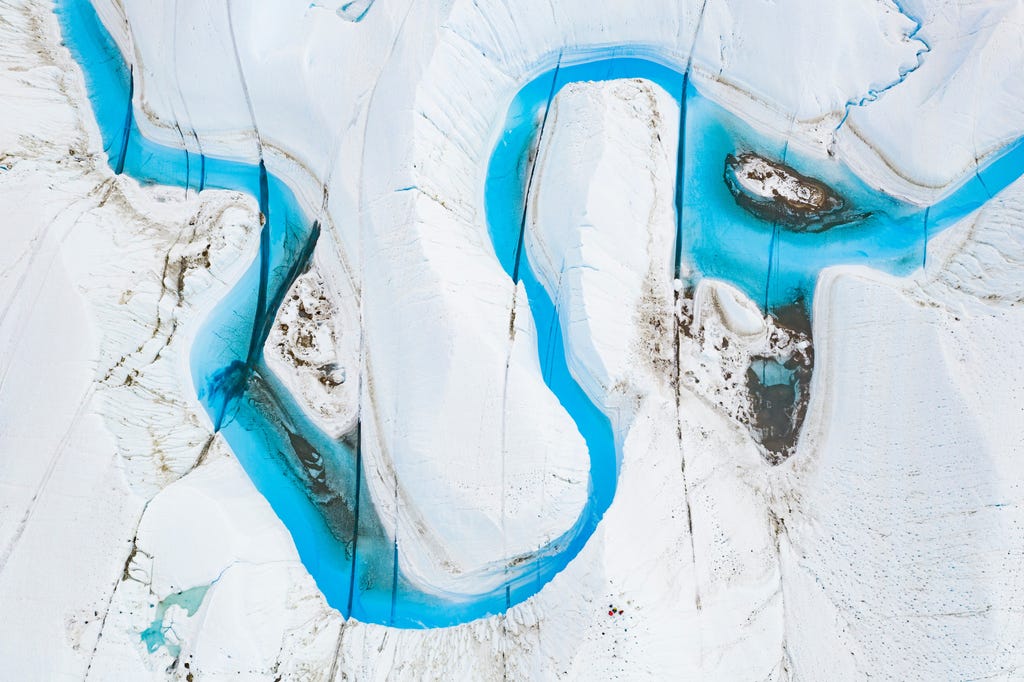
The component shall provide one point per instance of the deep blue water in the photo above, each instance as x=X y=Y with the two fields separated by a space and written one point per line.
x=314 y=483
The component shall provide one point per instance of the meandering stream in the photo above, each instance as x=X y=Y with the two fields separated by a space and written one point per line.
x=314 y=483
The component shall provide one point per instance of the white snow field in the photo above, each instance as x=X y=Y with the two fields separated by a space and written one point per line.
x=135 y=544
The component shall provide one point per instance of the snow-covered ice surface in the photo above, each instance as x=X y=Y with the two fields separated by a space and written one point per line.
x=554 y=412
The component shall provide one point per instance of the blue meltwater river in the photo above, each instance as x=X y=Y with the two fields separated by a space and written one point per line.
x=314 y=483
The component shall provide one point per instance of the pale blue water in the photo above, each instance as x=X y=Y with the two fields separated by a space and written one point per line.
x=155 y=636
x=357 y=571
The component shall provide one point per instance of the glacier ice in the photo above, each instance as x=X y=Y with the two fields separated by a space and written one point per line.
x=433 y=313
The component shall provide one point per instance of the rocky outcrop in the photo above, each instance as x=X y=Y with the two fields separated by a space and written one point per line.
x=775 y=192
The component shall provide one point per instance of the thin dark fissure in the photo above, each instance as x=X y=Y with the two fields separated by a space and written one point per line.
x=127 y=130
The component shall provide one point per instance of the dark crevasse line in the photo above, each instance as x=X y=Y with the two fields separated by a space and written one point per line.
x=554 y=328
x=188 y=161
x=548 y=344
x=678 y=294
x=772 y=251
x=188 y=114
x=127 y=128
x=924 y=249
x=256 y=342
x=235 y=378
x=981 y=181
x=177 y=87
x=231 y=383
x=394 y=581
x=680 y=185
x=241 y=77
x=355 y=526
x=533 y=168
x=300 y=262
x=258 y=337
x=774 y=244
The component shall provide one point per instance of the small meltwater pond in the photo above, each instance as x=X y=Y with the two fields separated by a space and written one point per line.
x=315 y=483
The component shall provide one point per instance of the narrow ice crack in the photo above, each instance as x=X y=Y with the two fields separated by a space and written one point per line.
x=874 y=93
x=125 y=575
x=680 y=199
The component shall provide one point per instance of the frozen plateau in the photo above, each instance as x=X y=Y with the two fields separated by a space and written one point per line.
x=511 y=340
